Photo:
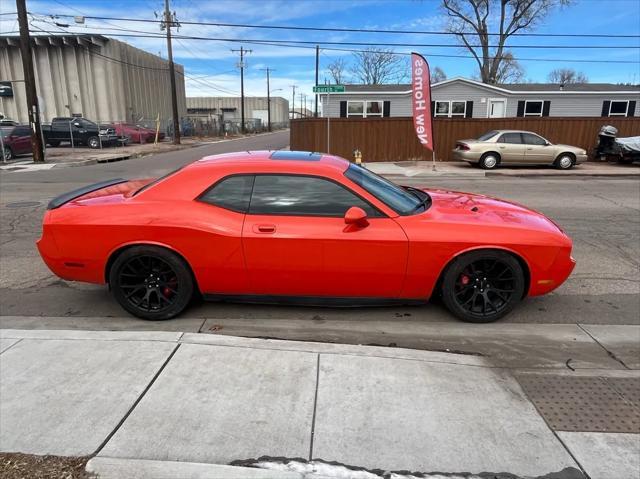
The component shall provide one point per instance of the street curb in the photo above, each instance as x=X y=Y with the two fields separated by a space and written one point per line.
x=116 y=468
x=134 y=155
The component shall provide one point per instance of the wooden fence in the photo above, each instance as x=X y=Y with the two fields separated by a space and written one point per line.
x=393 y=139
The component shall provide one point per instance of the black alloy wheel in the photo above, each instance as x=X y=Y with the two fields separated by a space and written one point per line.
x=483 y=286
x=151 y=283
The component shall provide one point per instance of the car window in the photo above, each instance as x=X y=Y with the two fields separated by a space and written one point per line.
x=511 y=138
x=487 y=135
x=303 y=196
x=531 y=139
x=232 y=193
x=22 y=131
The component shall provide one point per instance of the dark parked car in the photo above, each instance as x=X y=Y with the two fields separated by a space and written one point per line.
x=16 y=140
x=83 y=132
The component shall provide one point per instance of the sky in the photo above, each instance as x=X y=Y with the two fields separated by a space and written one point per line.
x=212 y=68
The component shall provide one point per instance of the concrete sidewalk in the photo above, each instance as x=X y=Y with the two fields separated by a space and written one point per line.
x=461 y=169
x=164 y=404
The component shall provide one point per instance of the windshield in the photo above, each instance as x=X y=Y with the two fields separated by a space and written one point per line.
x=404 y=202
x=487 y=135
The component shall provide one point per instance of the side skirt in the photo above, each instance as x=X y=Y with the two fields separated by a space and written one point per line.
x=322 y=301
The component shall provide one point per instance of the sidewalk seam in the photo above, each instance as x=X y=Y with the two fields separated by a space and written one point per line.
x=137 y=401
x=18 y=341
x=315 y=405
x=609 y=353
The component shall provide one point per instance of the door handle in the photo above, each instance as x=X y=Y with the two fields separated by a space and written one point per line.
x=501 y=147
x=529 y=148
x=264 y=228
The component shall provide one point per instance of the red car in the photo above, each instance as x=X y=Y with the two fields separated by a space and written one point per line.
x=136 y=134
x=16 y=141
x=270 y=226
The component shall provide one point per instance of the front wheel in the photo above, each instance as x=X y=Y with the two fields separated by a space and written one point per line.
x=483 y=286
x=564 y=162
x=8 y=154
x=151 y=283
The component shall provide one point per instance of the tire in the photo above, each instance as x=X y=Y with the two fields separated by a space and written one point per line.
x=470 y=277
x=8 y=154
x=93 y=142
x=489 y=161
x=54 y=143
x=565 y=161
x=151 y=283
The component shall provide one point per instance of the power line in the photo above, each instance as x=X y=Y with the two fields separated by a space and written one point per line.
x=366 y=30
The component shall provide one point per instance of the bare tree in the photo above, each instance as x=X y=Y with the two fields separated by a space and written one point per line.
x=438 y=75
x=473 y=20
x=337 y=70
x=375 y=66
x=509 y=70
x=566 y=75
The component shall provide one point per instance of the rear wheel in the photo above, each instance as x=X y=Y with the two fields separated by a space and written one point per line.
x=483 y=286
x=151 y=283
x=489 y=161
x=54 y=143
x=93 y=142
x=564 y=162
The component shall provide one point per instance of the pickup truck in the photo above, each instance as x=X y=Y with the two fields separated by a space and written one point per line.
x=83 y=132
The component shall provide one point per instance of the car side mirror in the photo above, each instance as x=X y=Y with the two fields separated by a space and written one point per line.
x=76 y=124
x=356 y=216
x=547 y=143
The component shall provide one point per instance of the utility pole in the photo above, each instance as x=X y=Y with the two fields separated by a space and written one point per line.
x=293 y=104
x=242 y=52
x=30 y=83
x=169 y=21
x=315 y=110
x=268 y=99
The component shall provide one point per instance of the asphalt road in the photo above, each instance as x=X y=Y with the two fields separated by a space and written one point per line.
x=602 y=216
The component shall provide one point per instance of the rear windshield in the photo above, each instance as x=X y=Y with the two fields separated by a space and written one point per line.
x=487 y=135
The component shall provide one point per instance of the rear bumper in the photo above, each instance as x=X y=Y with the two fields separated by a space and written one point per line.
x=465 y=155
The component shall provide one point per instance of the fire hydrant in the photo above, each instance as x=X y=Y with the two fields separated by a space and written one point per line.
x=357 y=157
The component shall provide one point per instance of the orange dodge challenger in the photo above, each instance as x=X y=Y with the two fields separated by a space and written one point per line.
x=308 y=227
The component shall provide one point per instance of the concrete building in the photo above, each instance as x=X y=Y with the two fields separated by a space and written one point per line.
x=221 y=109
x=93 y=76
x=464 y=98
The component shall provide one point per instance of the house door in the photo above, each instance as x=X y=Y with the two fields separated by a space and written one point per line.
x=497 y=108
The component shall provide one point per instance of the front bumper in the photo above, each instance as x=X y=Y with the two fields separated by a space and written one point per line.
x=466 y=155
x=581 y=159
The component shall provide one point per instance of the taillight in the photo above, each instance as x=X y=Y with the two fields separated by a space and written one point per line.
x=462 y=146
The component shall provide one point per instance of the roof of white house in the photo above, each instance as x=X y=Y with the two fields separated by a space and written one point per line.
x=504 y=87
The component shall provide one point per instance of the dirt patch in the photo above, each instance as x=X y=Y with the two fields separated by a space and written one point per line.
x=23 y=466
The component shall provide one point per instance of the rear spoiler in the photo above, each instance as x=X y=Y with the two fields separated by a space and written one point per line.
x=58 y=201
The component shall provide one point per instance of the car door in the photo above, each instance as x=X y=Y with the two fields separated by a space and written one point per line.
x=511 y=148
x=22 y=143
x=296 y=242
x=537 y=149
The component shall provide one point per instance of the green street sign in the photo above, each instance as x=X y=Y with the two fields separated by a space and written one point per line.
x=328 y=89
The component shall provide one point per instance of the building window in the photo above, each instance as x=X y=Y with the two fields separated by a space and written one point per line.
x=442 y=108
x=451 y=109
x=374 y=108
x=355 y=109
x=618 y=108
x=364 y=109
x=533 y=108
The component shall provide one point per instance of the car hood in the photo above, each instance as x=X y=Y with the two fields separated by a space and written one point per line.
x=460 y=206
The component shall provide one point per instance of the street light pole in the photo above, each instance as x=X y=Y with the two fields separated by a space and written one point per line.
x=30 y=83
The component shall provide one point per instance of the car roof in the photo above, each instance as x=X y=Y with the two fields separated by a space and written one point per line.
x=515 y=131
x=298 y=160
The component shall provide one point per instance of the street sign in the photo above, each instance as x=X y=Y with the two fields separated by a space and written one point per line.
x=328 y=89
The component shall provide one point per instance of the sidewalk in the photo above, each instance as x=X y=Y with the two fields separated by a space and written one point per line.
x=461 y=169
x=163 y=404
